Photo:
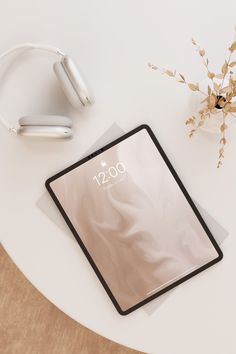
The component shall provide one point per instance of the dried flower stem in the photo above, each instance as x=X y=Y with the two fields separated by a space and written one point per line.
x=223 y=141
x=178 y=77
x=200 y=123
x=205 y=60
x=227 y=62
x=218 y=99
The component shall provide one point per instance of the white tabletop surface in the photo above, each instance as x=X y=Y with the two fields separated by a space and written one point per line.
x=112 y=41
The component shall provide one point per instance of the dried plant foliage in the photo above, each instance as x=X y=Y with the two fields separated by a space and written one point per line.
x=218 y=98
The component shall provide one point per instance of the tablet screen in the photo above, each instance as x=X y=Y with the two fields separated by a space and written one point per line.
x=136 y=223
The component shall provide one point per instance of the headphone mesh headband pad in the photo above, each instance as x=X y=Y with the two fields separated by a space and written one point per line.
x=45 y=120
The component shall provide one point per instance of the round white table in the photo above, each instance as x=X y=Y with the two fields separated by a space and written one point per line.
x=112 y=41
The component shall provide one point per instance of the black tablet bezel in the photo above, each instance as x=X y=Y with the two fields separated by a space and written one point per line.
x=187 y=196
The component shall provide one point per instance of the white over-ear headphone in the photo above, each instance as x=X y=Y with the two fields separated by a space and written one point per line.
x=73 y=86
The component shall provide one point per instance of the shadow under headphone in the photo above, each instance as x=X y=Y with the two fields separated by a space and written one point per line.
x=52 y=126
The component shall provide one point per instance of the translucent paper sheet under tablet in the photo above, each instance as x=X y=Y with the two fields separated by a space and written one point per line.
x=47 y=206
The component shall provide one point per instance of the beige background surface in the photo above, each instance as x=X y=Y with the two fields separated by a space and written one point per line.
x=30 y=324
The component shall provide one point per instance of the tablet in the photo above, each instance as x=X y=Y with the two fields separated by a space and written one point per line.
x=134 y=219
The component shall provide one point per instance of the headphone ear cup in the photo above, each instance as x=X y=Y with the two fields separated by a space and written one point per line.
x=45 y=120
x=71 y=82
x=66 y=86
x=45 y=131
x=58 y=127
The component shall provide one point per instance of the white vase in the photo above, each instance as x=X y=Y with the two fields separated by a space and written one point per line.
x=212 y=124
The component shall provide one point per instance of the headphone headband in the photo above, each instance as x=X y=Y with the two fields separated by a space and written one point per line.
x=30 y=46
x=22 y=47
